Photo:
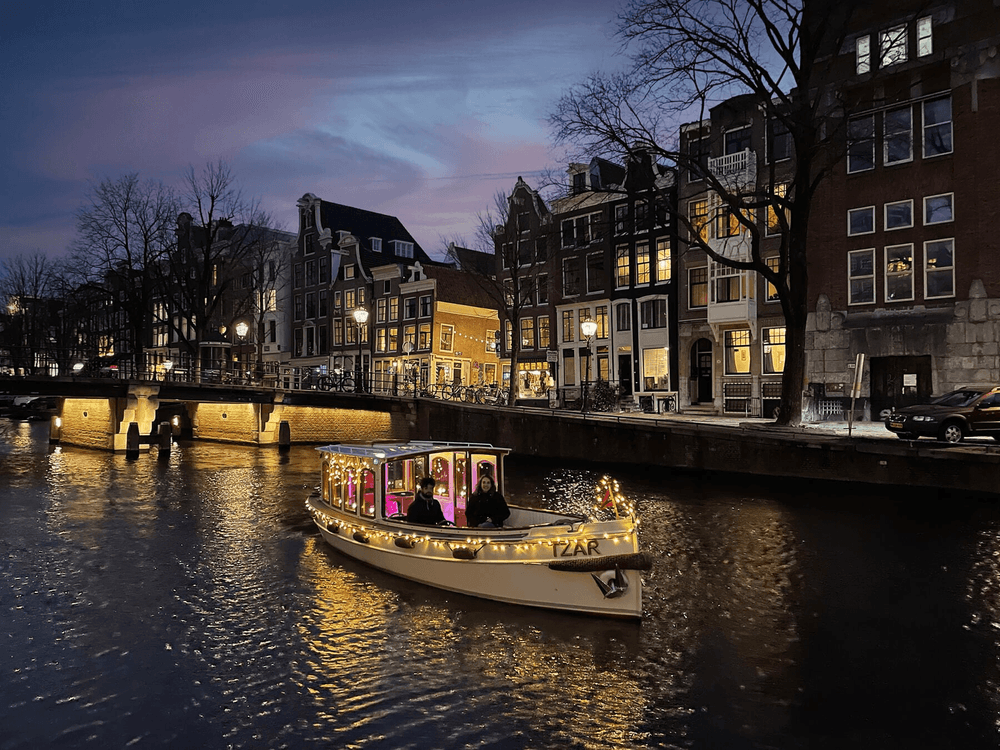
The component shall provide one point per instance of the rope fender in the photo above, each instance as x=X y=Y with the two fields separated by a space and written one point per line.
x=631 y=561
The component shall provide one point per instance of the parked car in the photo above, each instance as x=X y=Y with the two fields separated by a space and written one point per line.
x=967 y=412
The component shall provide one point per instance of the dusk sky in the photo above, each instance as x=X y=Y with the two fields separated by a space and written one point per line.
x=422 y=110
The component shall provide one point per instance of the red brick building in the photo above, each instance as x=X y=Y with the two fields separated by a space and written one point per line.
x=903 y=254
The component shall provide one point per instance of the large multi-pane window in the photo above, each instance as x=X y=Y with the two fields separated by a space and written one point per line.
x=779 y=141
x=338 y=331
x=311 y=305
x=381 y=310
x=622 y=266
x=602 y=321
x=727 y=223
x=381 y=338
x=447 y=340
x=350 y=300
x=861 y=276
x=898 y=273
x=653 y=313
x=937 y=126
x=621 y=219
x=543 y=332
x=394 y=339
x=410 y=336
x=542 y=289
x=698 y=216
x=698 y=287
x=925 y=38
x=655 y=369
x=569 y=367
x=939 y=269
x=737 y=140
x=425 y=306
x=892 y=46
x=728 y=284
x=623 y=316
x=568 y=324
x=572 y=281
x=897 y=140
x=773 y=216
x=774 y=262
x=773 y=346
x=861 y=144
x=663 y=269
x=737 y=352
x=698 y=150
x=642 y=263
x=527 y=333
x=410 y=308
x=322 y=304
x=424 y=336
x=595 y=272
x=394 y=308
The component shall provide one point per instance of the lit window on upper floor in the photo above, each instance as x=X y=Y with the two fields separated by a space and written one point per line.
x=892 y=46
x=925 y=38
x=863 y=54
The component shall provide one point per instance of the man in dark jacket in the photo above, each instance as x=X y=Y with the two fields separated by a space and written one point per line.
x=425 y=508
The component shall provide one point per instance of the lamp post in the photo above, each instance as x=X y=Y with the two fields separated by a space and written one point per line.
x=407 y=350
x=360 y=318
x=588 y=328
x=241 y=331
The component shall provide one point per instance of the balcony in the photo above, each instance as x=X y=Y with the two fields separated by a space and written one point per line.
x=737 y=172
x=731 y=299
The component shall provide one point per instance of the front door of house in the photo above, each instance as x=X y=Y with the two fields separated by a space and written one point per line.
x=899 y=381
x=701 y=371
x=625 y=374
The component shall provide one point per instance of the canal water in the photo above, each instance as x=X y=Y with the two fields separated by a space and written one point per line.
x=186 y=602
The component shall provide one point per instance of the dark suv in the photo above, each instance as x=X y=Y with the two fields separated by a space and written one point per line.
x=967 y=412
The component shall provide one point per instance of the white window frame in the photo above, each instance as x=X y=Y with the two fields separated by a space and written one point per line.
x=885 y=215
x=886 y=136
x=892 y=46
x=850 y=211
x=925 y=126
x=376 y=243
x=863 y=54
x=888 y=276
x=951 y=201
x=850 y=298
x=441 y=338
x=951 y=269
x=925 y=36
x=581 y=277
x=869 y=139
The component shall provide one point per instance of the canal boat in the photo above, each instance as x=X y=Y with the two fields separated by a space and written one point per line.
x=586 y=563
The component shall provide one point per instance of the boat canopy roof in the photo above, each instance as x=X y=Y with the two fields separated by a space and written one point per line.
x=403 y=450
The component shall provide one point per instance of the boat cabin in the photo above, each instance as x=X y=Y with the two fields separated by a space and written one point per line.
x=380 y=480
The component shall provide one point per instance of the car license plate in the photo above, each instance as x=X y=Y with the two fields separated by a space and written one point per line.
x=896 y=425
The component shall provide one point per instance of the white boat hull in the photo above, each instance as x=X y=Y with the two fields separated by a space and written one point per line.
x=516 y=566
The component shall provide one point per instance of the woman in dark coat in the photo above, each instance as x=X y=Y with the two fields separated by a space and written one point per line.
x=486 y=507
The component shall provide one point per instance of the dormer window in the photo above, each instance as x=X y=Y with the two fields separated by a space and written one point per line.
x=402 y=249
x=341 y=233
x=307 y=218
x=376 y=244
x=579 y=182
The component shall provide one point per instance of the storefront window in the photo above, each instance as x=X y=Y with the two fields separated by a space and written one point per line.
x=532 y=379
x=737 y=352
x=655 y=369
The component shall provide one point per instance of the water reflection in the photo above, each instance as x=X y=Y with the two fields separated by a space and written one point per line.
x=187 y=601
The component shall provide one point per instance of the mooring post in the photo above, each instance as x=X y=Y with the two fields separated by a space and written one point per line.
x=164 y=434
x=284 y=436
x=132 y=441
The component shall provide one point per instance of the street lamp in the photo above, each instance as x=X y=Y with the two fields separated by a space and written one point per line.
x=360 y=317
x=588 y=328
x=407 y=351
x=241 y=331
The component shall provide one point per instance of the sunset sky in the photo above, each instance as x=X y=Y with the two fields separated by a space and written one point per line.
x=422 y=110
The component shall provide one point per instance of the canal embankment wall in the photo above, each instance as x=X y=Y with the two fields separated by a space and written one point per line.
x=756 y=449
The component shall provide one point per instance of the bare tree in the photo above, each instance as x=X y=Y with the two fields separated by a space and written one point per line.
x=509 y=280
x=123 y=234
x=689 y=55
x=218 y=235
x=26 y=289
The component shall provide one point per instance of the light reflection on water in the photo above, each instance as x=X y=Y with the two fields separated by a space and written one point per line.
x=187 y=602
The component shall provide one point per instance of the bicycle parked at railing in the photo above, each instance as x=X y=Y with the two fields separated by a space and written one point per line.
x=343 y=382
